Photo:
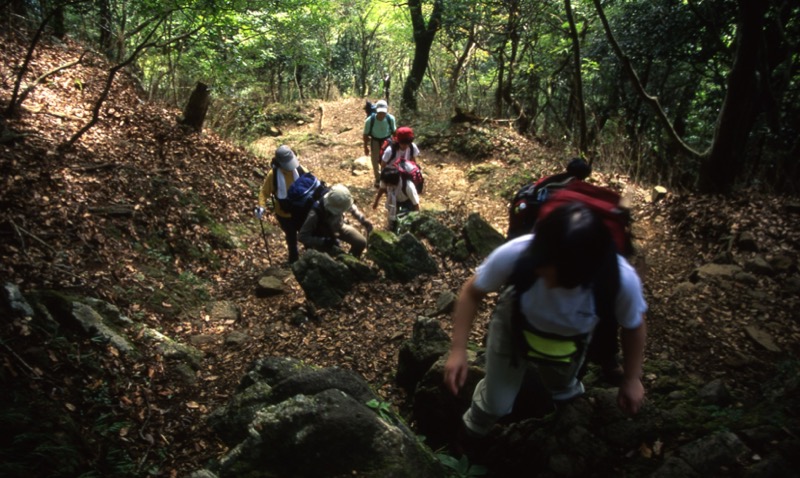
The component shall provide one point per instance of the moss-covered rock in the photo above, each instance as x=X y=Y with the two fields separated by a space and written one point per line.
x=402 y=258
x=481 y=237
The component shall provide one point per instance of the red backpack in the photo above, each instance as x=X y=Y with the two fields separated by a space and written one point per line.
x=604 y=202
x=408 y=168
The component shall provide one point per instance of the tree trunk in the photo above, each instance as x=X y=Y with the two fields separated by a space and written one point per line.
x=195 y=112
x=740 y=106
x=580 y=107
x=423 y=40
x=59 y=30
x=105 y=40
x=462 y=60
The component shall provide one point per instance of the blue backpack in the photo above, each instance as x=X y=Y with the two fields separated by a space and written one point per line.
x=301 y=196
x=370 y=108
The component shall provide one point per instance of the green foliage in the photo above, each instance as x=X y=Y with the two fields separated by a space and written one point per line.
x=383 y=409
x=511 y=60
x=461 y=468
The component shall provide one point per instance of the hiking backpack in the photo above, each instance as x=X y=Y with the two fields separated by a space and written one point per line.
x=370 y=108
x=408 y=168
x=605 y=203
x=410 y=171
x=301 y=196
x=524 y=208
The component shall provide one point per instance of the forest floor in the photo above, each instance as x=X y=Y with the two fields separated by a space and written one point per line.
x=55 y=233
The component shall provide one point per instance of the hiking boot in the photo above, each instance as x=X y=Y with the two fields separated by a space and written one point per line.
x=612 y=373
x=467 y=443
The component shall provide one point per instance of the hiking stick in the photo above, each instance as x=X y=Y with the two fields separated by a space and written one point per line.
x=266 y=241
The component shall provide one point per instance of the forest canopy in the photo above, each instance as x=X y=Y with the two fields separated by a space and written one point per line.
x=689 y=93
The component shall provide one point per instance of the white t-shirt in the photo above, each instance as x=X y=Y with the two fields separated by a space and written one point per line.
x=405 y=190
x=410 y=153
x=558 y=310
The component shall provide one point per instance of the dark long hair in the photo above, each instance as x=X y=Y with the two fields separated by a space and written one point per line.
x=577 y=242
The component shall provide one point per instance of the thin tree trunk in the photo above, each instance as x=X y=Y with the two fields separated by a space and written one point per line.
x=460 y=62
x=423 y=40
x=194 y=115
x=580 y=107
x=740 y=106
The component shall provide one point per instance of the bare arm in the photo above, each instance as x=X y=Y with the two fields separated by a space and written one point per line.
x=378 y=197
x=631 y=391
x=466 y=308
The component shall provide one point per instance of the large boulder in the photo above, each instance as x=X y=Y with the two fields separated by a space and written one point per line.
x=289 y=419
x=324 y=280
x=439 y=235
x=401 y=258
x=428 y=343
x=93 y=317
x=481 y=237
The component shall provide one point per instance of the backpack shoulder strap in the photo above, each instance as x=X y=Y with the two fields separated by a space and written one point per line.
x=371 y=123
x=522 y=279
x=606 y=287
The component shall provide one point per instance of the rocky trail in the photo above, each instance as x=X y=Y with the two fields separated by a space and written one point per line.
x=133 y=216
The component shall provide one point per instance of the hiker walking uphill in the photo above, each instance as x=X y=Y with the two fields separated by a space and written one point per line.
x=284 y=171
x=401 y=196
x=325 y=226
x=378 y=127
x=546 y=315
x=401 y=148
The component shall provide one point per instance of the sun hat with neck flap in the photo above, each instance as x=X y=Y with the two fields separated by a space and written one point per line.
x=338 y=199
x=286 y=159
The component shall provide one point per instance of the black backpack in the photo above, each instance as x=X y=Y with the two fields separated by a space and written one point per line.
x=524 y=208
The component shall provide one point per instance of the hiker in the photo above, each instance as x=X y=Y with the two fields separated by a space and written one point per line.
x=325 y=226
x=387 y=84
x=401 y=196
x=548 y=317
x=402 y=147
x=285 y=169
x=378 y=127
x=524 y=207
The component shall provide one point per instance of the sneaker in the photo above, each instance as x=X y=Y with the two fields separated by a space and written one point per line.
x=467 y=443
x=613 y=374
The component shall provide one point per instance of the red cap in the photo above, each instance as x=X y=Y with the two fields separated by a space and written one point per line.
x=405 y=134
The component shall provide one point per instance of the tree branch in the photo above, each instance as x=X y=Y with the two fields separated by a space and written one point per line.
x=637 y=84
x=36 y=82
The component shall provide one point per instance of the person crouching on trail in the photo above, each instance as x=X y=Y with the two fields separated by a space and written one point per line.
x=325 y=225
x=378 y=127
x=285 y=169
x=550 y=320
x=401 y=196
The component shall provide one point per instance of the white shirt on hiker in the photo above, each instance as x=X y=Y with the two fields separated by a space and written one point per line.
x=403 y=191
x=561 y=311
x=409 y=153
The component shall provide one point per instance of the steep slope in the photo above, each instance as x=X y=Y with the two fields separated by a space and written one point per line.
x=157 y=220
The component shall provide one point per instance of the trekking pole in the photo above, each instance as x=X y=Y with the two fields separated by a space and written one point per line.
x=266 y=241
